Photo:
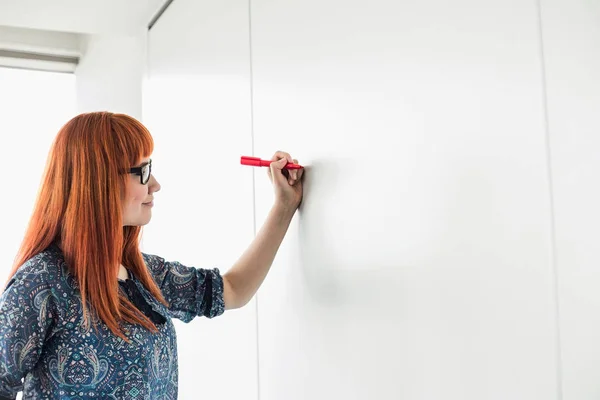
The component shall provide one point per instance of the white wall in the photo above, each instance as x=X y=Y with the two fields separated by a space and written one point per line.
x=110 y=74
x=572 y=58
x=197 y=106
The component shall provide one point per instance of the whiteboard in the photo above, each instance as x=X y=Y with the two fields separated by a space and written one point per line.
x=419 y=265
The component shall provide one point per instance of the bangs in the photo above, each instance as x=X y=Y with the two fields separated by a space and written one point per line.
x=134 y=138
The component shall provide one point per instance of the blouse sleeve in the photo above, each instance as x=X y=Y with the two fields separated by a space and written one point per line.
x=190 y=291
x=27 y=314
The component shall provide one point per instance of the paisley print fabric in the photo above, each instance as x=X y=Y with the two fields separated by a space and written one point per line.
x=47 y=352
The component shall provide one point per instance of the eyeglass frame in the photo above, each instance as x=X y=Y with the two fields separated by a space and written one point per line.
x=140 y=171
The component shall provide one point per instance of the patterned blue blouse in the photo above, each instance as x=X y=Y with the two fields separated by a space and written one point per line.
x=43 y=338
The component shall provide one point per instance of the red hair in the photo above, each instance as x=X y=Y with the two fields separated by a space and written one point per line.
x=80 y=206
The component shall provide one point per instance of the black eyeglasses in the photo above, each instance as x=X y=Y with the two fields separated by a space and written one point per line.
x=143 y=171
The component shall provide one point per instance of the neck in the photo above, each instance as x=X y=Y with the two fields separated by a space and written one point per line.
x=123 y=274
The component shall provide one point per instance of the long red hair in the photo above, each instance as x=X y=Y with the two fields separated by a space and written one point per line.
x=80 y=205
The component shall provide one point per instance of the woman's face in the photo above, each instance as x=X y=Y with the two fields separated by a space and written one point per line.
x=138 y=203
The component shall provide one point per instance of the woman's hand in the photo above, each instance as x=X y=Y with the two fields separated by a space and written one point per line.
x=287 y=183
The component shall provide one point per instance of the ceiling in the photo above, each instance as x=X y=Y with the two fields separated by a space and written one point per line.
x=119 y=17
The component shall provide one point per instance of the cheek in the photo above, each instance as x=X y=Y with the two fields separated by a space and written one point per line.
x=140 y=195
x=136 y=194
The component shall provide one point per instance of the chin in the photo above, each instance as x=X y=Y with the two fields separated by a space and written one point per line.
x=138 y=223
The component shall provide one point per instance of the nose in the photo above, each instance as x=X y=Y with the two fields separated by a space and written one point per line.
x=154 y=186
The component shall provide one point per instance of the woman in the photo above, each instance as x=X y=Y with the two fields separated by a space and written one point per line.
x=85 y=314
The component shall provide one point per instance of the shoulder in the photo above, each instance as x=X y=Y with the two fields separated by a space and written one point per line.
x=44 y=274
x=154 y=263
x=157 y=266
x=47 y=266
x=39 y=285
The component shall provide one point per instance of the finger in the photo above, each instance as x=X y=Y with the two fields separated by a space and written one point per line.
x=276 y=169
x=281 y=154
x=295 y=174
x=300 y=173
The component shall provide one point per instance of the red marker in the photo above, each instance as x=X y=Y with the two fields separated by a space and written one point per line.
x=257 y=162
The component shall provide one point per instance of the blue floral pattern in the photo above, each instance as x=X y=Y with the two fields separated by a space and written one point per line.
x=43 y=339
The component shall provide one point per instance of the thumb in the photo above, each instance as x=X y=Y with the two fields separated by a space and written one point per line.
x=276 y=170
